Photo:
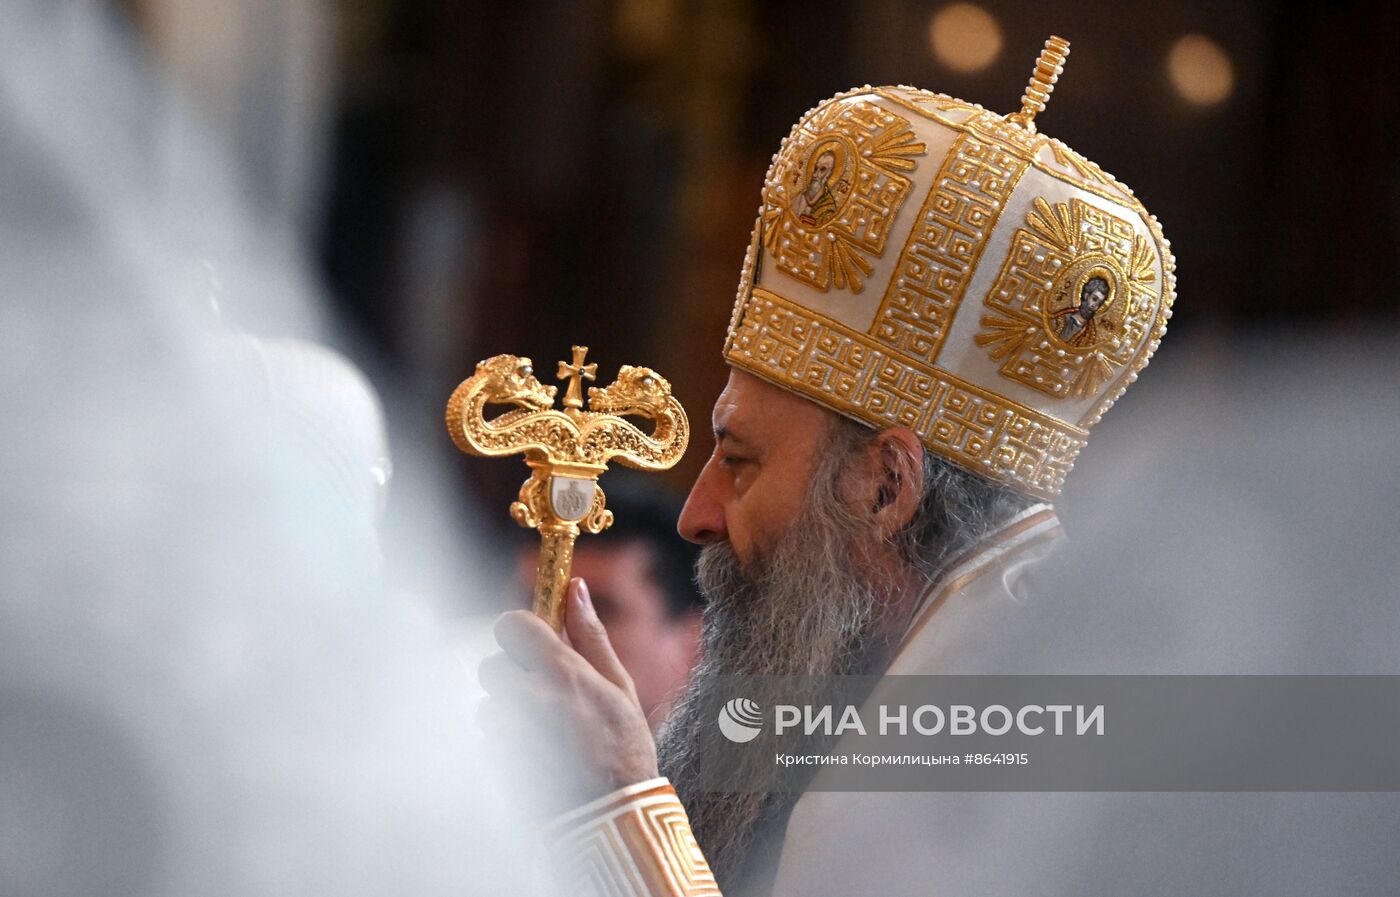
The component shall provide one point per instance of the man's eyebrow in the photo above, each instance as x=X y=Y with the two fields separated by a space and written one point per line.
x=724 y=433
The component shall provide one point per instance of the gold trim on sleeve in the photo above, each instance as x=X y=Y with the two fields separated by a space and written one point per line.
x=634 y=843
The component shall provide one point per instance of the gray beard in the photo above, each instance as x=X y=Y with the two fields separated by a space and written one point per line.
x=803 y=611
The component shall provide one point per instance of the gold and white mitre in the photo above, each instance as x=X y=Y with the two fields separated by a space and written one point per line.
x=920 y=261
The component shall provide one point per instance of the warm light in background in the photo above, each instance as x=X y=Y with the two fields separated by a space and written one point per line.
x=644 y=27
x=1200 y=70
x=964 y=37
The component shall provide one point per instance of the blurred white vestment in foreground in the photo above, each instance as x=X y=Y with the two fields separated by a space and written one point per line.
x=204 y=686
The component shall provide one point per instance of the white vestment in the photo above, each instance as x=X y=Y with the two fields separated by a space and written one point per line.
x=989 y=617
x=897 y=843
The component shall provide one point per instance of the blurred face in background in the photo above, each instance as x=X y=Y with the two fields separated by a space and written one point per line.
x=657 y=647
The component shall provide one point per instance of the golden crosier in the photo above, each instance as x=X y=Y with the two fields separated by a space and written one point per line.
x=565 y=450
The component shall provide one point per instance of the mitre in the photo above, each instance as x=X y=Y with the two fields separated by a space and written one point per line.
x=920 y=261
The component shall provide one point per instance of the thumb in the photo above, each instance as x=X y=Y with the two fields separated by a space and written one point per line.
x=590 y=639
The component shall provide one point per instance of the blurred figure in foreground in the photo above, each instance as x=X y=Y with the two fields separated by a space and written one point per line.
x=639 y=572
x=205 y=686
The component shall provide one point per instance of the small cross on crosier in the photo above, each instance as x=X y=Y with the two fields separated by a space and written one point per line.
x=576 y=373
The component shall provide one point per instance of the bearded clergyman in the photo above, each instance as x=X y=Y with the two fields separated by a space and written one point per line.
x=904 y=402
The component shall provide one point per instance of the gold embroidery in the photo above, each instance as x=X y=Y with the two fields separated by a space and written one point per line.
x=1073 y=302
x=940 y=107
x=639 y=846
x=1045 y=153
x=1063 y=163
x=1159 y=326
x=943 y=249
x=851 y=372
x=834 y=191
x=1015 y=138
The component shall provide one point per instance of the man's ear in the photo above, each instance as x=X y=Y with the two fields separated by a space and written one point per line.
x=899 y=457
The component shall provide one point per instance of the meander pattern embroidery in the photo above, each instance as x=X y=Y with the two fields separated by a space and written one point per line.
x=850 y=371
x=944 y=246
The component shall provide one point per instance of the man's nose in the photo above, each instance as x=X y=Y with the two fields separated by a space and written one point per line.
x=702 y=518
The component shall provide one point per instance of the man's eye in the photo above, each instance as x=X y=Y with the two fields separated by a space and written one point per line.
x=731 y=461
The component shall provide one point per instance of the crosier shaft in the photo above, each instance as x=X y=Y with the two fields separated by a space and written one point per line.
x=552 y=575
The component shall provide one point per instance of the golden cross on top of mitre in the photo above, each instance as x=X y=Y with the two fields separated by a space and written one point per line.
x=565 y=450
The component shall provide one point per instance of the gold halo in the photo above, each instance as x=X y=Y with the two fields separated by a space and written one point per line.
x=842 y=169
